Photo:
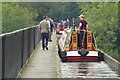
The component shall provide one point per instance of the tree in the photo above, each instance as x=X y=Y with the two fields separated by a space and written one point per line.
x=103 y=19
x=16 y=17
x=58 y=10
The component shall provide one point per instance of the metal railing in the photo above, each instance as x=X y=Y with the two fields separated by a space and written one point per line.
x=16 y=47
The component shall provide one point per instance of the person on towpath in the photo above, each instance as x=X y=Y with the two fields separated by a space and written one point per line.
x=44 y=30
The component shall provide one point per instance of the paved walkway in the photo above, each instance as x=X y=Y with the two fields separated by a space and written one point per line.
x=43 y=64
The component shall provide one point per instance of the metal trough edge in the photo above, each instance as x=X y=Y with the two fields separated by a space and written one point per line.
x=114 y=64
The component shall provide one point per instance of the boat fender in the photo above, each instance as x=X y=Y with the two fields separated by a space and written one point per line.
x=83 y=52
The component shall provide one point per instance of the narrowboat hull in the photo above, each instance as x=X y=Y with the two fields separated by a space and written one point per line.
x=71 y=49
x=75 y=56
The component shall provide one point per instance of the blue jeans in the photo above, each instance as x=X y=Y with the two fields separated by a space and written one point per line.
x=45 y=36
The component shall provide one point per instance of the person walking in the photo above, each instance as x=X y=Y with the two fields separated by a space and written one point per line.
x=44 y=30
x=83 y=27
x=51 y=28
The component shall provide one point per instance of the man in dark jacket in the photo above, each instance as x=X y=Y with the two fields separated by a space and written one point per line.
x=51 y=29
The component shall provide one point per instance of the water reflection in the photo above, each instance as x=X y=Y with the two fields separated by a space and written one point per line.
x=83 y=69
x=86 y=70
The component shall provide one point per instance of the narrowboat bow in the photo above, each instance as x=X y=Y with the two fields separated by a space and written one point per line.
x=74 y=47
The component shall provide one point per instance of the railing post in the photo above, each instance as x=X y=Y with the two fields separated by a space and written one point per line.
x=29 y=44
x=3 y=57
x=22 y=46
x=0 y=58
x=34 y=37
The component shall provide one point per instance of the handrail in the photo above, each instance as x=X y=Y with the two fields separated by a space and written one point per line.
x=20 y=43
x=13 y=32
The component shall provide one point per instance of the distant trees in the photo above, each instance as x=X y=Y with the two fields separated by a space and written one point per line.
x=56 y=10
x=103 y=19
x=15 y=16
x=23 y=14
x=46 y=8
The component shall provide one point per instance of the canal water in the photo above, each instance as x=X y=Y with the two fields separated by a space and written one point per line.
x=87 y=70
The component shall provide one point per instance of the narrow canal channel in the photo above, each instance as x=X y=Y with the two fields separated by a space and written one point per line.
x=87 y=70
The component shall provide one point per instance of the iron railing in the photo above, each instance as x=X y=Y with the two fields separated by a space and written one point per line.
x=16 y=47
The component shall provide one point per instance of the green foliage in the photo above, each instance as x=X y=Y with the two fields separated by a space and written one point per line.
x=70 y=10
x=103 y=19
x=46 y=8
x=16 y=17
x=56 y=10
